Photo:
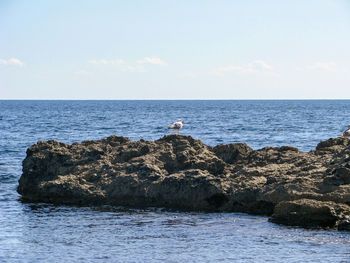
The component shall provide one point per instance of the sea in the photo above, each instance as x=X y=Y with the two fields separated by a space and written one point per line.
x=42 y=232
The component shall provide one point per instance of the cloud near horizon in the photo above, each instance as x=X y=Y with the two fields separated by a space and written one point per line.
x=12 y=62
x=327 y=66
x=106 y=62
x=137 y=68
x=255 y=67
x=152 y=60
x=122 y=66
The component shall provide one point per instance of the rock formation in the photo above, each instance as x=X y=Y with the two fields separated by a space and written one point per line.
x=308 y=189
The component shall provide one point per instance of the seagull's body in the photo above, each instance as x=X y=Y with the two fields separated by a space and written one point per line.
x=347 y=132
x=176 y=126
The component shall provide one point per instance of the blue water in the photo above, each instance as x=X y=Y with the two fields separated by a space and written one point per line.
x=47 y=233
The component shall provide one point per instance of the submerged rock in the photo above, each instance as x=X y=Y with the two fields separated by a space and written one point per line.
x=309 y=189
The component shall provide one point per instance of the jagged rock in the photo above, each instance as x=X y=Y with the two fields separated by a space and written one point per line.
x=332 y=144
x=179 y=172
x=344 y=225
x=310 y=213
x=230 y=153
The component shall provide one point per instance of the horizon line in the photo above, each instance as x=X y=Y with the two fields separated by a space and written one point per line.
x=177 y=99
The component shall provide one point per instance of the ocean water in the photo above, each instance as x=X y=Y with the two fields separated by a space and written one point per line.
x=46 y=233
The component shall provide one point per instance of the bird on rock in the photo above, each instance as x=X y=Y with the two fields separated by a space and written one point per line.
x=176 y=126
x=347 y=132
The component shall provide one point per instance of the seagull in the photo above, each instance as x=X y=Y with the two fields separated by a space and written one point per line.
x=176 y=126
x=347 y=132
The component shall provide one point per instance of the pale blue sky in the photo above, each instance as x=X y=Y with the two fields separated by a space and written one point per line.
x=243 y=49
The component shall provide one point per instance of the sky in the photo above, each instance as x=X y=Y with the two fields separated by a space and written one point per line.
x=167 y=49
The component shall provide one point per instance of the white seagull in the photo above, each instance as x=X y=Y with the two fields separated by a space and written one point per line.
x=176 y=126
x=347 y=132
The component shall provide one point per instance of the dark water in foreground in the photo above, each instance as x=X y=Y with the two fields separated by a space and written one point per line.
x=45 y=233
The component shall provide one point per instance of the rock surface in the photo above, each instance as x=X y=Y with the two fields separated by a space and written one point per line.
x=308 y=189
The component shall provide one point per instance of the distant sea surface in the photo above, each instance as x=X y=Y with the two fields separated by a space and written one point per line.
x=47 y=233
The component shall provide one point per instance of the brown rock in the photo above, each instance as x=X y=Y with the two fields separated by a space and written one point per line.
x=179 y=172
x=310 y=213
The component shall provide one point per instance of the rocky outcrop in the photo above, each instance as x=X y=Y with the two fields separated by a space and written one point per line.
x=309 y=213
x=309 y=189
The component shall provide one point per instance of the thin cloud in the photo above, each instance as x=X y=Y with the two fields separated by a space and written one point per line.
x=107 y=62
x=125 y=67
x=255 y=67
x=120 y=65
x=259 y=65
x=138 y=68
x=327 y=66
x=12 y=62
x=154 y=61
x=189 y=75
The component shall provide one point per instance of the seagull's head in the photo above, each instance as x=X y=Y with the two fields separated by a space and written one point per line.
x=182 y=121
x=349 y=126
